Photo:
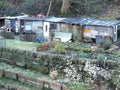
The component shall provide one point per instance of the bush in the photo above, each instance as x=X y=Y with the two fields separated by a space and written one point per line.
x=60 y=48
x=106 y=44
x=101 y=57
x=83 y=55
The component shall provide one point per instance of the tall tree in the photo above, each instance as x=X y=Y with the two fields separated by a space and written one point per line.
x=65 y=6
x=48 y=12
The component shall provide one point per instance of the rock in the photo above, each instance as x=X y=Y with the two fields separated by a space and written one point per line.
x=114 y=47
x=94 y=48
x=53 y=75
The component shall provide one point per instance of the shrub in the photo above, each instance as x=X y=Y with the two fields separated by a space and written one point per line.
x=106 y=44
x=83 y=55
x=60 y=48
x=79 y=86
x=101 y=57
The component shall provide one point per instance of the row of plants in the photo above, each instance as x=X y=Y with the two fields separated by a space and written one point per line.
x=36 y=75
x=42 y=62
x=62 y=48
x=45 y=62
x=28 y=73
x=80 y=86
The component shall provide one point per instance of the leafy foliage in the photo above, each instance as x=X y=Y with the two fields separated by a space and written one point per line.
x=77 y=7
x=79 y=86
x=101 y=57
x=60 y=48
x=106 y=44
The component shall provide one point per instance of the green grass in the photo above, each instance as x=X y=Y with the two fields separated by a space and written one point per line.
x=21 y=44
x=19 y=70
x=7 y=82
x=79 y=86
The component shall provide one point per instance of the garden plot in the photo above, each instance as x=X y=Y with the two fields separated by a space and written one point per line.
x=74 y=62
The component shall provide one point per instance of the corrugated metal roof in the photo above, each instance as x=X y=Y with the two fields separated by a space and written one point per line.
x=32 y=18
x=69 y=20
x=54 y=19
x=89 y=21
x=102 y=23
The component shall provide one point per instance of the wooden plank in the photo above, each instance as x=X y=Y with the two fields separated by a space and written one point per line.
x=32 y=81
x=43 y=48
x=21 y=78
x=1 y=72
x=4 y=60
x=10 y=74
x=36 y=82
x=55 y=86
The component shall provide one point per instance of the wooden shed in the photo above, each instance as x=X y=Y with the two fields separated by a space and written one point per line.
x=93 y=28
x=31 y=24
x=71 y=25
x=51 y=24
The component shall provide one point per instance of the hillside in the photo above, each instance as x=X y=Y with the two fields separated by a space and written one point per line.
x=111 y=13
x=102 y=9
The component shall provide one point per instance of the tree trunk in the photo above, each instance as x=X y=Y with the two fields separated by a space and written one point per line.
x=48 y=12
x=65 y=6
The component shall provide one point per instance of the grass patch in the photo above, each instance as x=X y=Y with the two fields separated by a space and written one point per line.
x=21 y=44
x=7 y=82
x=79 y=86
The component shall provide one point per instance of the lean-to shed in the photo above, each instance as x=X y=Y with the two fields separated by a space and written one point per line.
x=7 y=23
x=94 y=28
x=10 y=23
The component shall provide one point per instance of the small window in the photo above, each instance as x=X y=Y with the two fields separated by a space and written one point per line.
x=46 y=28
x=53 y=26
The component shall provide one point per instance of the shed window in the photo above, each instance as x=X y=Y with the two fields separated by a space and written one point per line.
x=28 y=26
x=46 y=28
x=53 y=26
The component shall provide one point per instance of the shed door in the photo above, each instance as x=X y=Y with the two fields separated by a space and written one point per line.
x=13 y=25
x=118 y=32
x=46 y=29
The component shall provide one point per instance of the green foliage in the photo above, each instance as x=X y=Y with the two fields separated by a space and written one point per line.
x=66 y=14
x=69 y=46
x=101 y=57
x=79 y=86
x=83 y=55
x=1 y=4
x=106 y=44
x=7 y=82
x=114 y=82
x=77 y=8
x=60 y=48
